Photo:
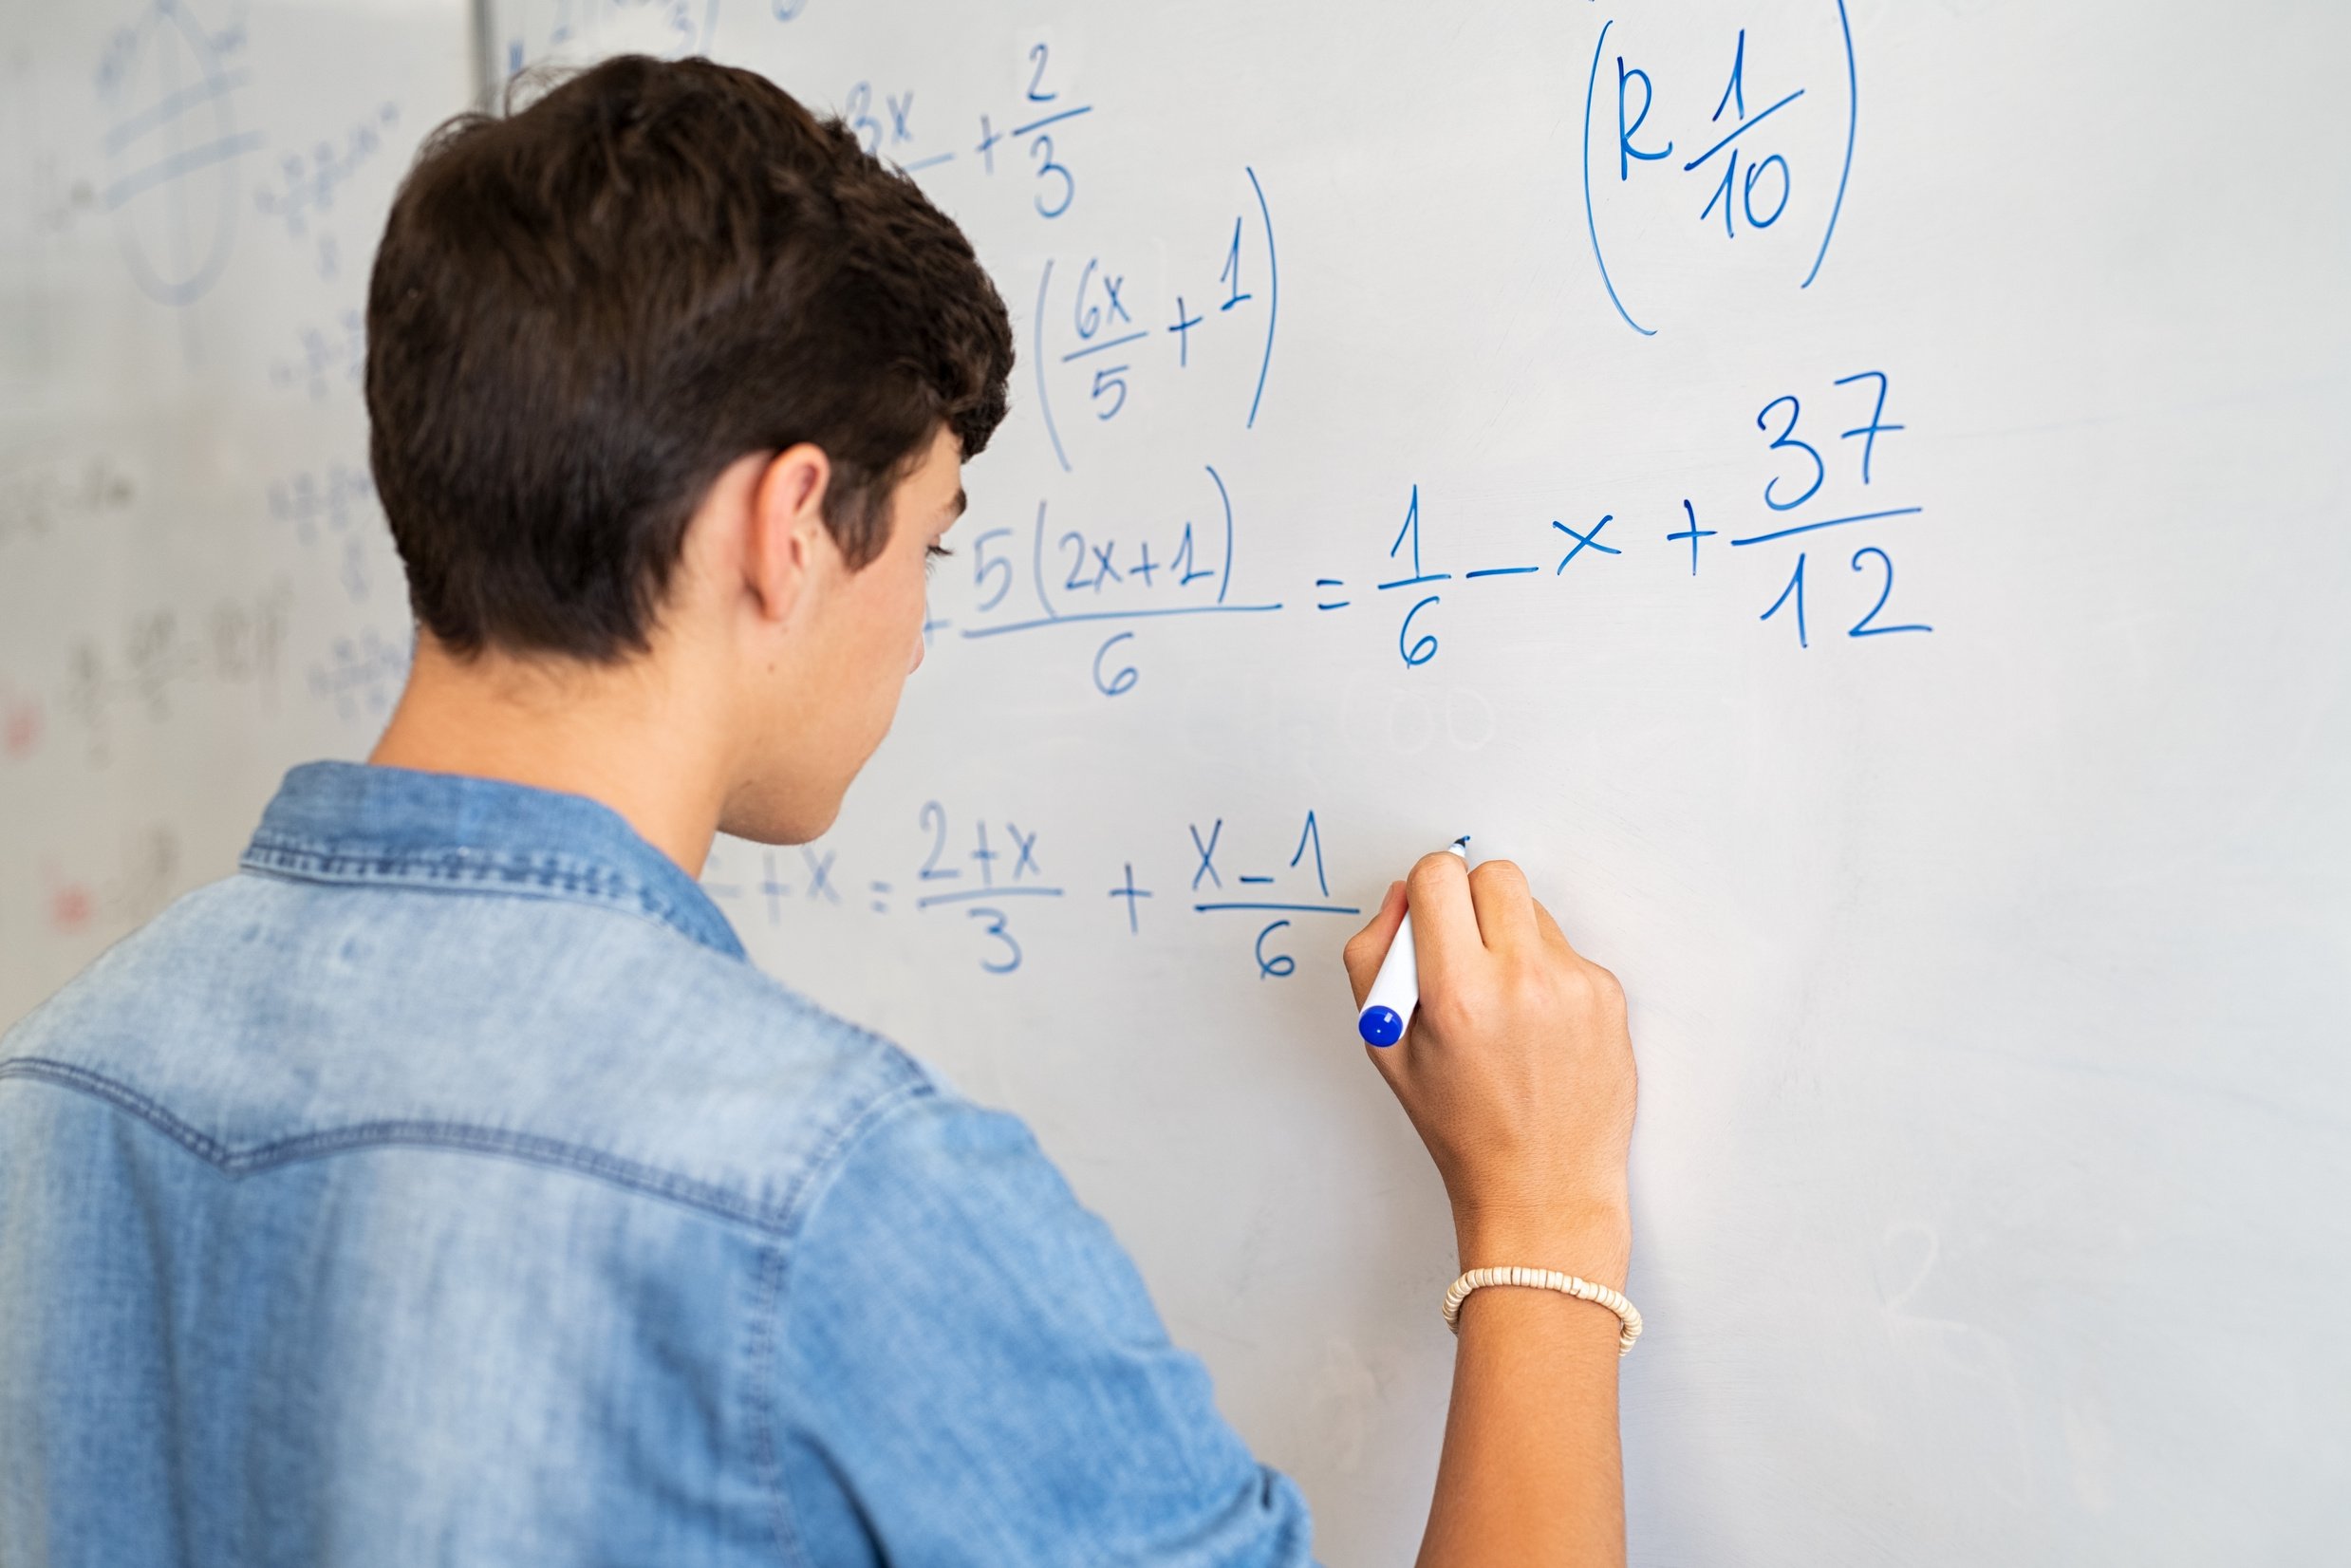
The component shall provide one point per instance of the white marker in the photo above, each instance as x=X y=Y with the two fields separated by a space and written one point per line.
x=1396 y=989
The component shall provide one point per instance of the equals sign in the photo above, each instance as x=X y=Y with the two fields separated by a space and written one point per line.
x=881 y=896
x=1330 y=583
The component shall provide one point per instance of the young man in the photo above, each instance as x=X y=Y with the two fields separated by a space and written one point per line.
x=447 y=1188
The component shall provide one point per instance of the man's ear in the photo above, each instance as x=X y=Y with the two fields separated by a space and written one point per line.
x=787 y=537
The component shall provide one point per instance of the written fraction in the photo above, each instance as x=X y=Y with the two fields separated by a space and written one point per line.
x=1750 y=132
x=1708 y=164
x=977 y=878
x=1817 y=531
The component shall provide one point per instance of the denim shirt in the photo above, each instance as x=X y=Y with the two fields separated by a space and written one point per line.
x=447 y=1187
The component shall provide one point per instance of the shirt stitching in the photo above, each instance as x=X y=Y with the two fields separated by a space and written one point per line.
x=350 y=823
x=774 y=1219
x=768 y=1459
x=467 y=861
x=583 y=884
x=768 y=1330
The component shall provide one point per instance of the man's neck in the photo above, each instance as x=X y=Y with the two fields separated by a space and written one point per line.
x=620 y=735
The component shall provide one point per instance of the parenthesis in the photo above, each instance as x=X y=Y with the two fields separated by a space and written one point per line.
x=1036 y=565
x=1273 y=293
x=1226 y=496
x=1044 y=395
x=1853 y=126
x=1592 y=224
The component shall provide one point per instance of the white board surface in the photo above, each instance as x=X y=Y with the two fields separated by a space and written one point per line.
x=1991 y=979
x=195 y=584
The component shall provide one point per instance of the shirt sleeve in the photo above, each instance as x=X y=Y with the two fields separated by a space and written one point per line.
x=967 y=1369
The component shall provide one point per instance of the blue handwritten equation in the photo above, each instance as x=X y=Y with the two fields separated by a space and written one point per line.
x=38 y=491
x=334 y=505
x=303 y=194
x=1819 y=465
x=1741 y=140
x=669 y=29
x=975 y=868
x=1288 y=888
x=1109 y=578
x=239 y=643
x=1022 y=143
x=978 y=877
x=330 y=358
x=167 y=85
x=1093 y=336
x=361 y=675
x=1800 y=492
x=1798 y=496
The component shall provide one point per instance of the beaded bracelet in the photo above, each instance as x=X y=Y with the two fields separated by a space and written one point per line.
x=1583 y=1290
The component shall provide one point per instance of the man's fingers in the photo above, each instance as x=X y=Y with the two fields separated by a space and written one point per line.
x=1367 y=948
x=1505 y=909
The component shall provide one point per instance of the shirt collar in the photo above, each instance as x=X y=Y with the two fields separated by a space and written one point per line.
x=354 y=822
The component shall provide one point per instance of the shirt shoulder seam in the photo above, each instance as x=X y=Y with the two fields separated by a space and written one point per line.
x=776 y=1220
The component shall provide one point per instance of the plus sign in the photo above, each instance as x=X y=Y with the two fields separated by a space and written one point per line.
x=1693 y=533
x=1183 y=329
x=1131 y=892
x=774 y=891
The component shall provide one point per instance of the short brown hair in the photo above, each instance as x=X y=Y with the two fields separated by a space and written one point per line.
x=585 y=310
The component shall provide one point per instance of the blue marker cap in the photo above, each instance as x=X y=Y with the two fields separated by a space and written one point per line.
x=1395 y=993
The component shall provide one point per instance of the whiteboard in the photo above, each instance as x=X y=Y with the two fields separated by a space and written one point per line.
x=1878 y=564
x=197 y=588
